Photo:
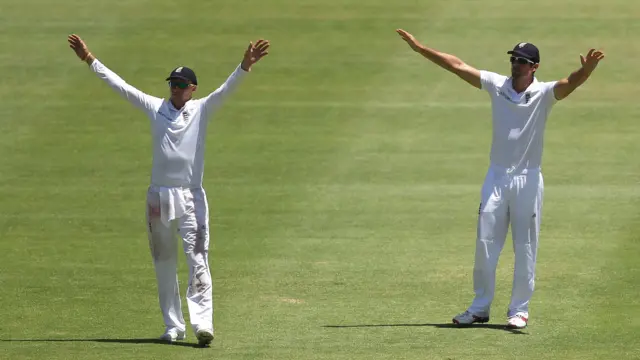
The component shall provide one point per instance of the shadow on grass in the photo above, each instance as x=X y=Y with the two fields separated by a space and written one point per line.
x=118 y=341
x=439 y=326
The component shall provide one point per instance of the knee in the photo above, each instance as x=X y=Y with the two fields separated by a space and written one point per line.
x=161 y=252
x=162 y=256
x=201 y=243
x=201 y=272
x=200 y=282
x=522 y=249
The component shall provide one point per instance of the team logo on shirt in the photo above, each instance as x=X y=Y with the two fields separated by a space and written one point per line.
x=185 y=115
x=527 y=97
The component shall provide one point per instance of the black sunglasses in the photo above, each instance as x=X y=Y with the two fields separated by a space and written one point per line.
x=179 y=85
x=520 y=60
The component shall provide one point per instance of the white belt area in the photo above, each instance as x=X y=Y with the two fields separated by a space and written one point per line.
x=173 y=203
x=512 y=170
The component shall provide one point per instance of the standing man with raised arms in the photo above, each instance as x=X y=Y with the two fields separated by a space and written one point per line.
x=513 y=188
x=176 y=201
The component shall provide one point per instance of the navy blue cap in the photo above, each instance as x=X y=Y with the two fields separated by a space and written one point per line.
x=527 y=51
x=183 y=73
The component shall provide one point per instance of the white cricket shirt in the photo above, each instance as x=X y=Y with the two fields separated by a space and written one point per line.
x=519 y=121
x=178 y=135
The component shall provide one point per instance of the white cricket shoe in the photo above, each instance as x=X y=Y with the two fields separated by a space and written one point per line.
x=468 y=318
x=204 y=336
x=518 y=321
x=173 y=334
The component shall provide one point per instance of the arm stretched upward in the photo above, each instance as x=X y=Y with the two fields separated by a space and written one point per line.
x=446 y=61
x=252 y=55
x=133 y=95
x=567 y=85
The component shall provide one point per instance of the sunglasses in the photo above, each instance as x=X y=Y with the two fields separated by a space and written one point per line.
x=520 y=60
x=179 y=85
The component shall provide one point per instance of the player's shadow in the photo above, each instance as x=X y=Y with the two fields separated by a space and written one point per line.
x=119 y=341
x=439 y=326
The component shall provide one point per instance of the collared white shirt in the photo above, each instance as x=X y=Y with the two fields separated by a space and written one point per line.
x=519 y=121
x=178 y=135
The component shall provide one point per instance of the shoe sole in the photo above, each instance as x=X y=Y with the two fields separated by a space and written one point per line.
x=478 y=320
x=204 y=338
x=513 y=326
x=510 y=326
x=179 y=338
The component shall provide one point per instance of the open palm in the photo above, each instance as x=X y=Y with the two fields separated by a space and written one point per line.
x=592 y=59
x=410 y=39
x=254 y=53
x=80 y=48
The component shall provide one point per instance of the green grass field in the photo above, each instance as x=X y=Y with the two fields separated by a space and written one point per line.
x=343 y=179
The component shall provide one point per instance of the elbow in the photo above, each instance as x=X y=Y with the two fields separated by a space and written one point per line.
x=453 y=67
x=456 y=67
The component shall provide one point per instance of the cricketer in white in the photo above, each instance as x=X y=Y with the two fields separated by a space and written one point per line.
x=513 y=188
x=176 y=201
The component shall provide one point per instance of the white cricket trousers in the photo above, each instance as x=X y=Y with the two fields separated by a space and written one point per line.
x=193 y=227
x=507 y=198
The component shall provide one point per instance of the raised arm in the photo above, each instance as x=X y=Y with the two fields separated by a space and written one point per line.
x=445 y=61
x=133 y=95
x=252 y=55
x=567 y=85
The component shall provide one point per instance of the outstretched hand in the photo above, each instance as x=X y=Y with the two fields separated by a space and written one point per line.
x=254 y=53
x=592 y=59
x=415 y=45
x=76 y=43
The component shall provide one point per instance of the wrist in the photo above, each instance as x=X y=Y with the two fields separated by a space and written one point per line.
x=88 y=58
x=244 y=66
x=586 y=71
